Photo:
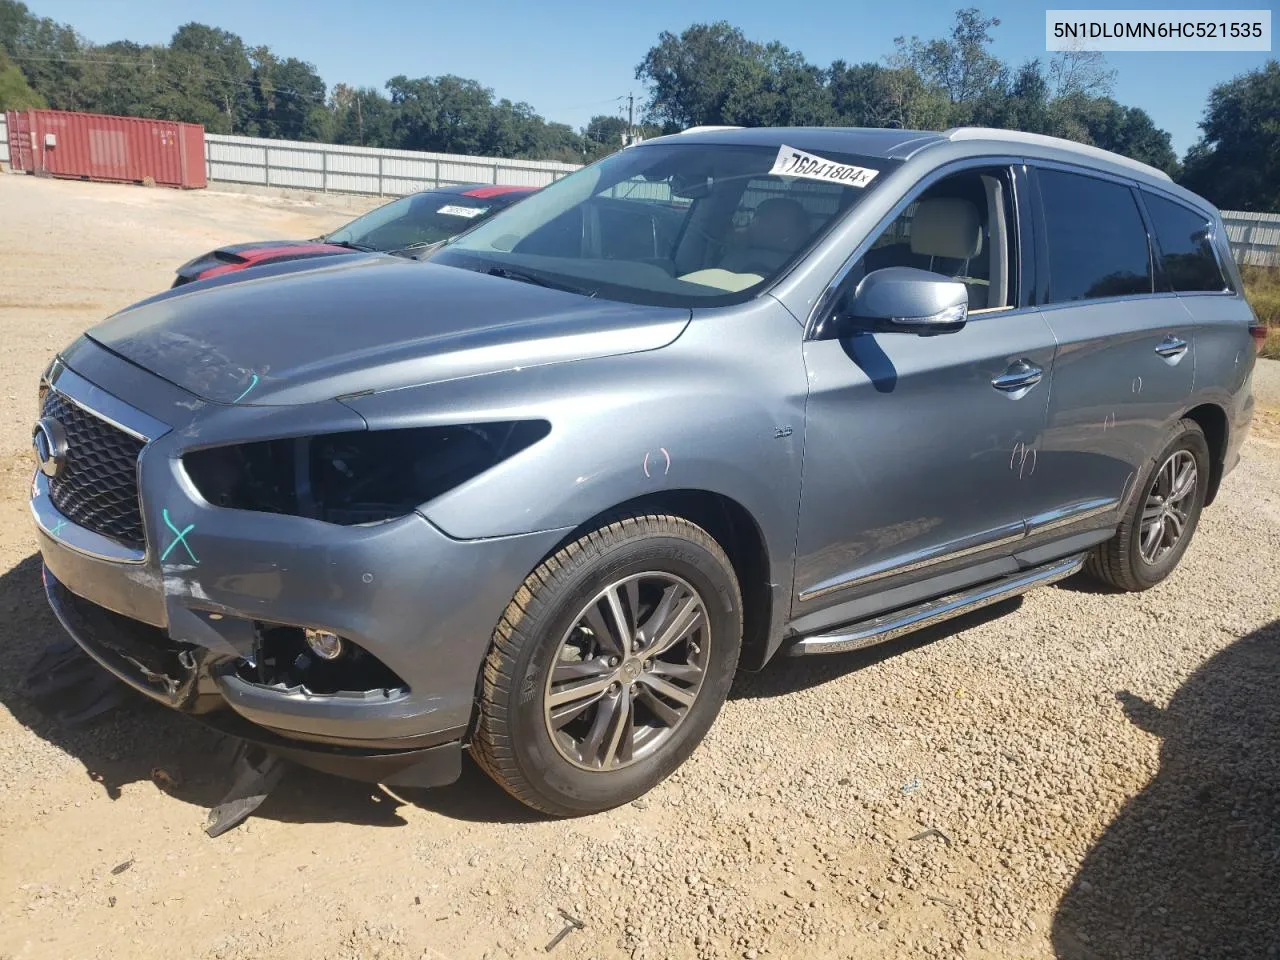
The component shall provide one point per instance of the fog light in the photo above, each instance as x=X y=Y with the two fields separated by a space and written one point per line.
x=325 y=645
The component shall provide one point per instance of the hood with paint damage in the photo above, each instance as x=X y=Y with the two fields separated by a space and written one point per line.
x=368 y=324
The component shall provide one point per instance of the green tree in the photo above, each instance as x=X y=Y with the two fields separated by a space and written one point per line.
x=360 y=117
x=14 y=18
x=127 y=79
x=1103 y=122
x=793 y=92
x=1029 y=100
x=212 y=67
x=961 y=65
x=1236 y=163
x=702 y=76
x=1081 y=71
x=15 y=92
x=289 y=99
x=50 y=55
x=603 y=135
x=448 y=114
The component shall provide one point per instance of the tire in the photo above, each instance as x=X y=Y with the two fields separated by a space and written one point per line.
x=544 y=627
x=1120 y=562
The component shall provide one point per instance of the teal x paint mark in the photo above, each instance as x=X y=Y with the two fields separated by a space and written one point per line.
x=57 y=528
x=180 y=537
x=252 y=383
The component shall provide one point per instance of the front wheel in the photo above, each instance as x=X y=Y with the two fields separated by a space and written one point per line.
x=609 y=665
x=1159 y=526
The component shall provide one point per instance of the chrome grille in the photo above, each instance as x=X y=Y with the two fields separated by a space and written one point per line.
x=98 y=486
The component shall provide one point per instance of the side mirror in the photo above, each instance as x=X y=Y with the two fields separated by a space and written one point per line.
x=906 y=300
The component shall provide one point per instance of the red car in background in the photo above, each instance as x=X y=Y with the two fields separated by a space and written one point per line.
x=407 y=226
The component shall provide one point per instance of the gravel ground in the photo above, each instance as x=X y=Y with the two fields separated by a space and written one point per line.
x=1078 y=774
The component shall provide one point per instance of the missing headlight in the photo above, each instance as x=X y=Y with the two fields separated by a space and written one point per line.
x=357 y=477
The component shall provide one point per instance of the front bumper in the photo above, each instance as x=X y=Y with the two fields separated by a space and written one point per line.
x=179 y=677
x=179 y=624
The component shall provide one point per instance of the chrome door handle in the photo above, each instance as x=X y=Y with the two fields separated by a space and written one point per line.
x=1171 y=346
x=1019 y=376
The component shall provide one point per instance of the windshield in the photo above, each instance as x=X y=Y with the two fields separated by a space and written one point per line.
x=676 y=224
x=413 y=221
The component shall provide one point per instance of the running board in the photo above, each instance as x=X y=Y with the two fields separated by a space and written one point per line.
x=887 y=626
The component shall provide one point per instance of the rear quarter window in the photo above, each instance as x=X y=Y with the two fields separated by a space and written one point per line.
x=1185 y=239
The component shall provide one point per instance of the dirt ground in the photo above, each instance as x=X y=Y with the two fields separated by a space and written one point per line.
x=1079 y=774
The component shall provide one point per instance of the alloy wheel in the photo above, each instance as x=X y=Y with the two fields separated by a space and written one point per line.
x=1168 y=506
x=627 y=671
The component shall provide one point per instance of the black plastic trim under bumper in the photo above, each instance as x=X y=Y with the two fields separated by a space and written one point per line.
x=422 y=767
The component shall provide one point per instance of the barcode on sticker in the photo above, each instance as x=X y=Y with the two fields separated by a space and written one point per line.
x=453 y=210
x=791 y=162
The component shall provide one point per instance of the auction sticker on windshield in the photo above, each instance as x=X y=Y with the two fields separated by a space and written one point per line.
x=453 y=210
x=791 y=162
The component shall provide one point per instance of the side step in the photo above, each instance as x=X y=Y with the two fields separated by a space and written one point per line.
x=887 y=626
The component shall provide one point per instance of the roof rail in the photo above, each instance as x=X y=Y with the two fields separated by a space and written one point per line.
x=1083 y=149
x=710 y=127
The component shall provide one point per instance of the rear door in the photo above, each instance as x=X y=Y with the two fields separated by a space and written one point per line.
x=1125 y=365
x=1188 y=247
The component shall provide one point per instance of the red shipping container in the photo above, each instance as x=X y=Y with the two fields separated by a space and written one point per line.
x=93 y=146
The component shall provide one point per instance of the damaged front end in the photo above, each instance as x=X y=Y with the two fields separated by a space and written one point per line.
x=277 y=674
x=141 y=655
x=268 y=570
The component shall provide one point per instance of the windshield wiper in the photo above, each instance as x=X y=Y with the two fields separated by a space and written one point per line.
x=349 y=245
x=508 y=274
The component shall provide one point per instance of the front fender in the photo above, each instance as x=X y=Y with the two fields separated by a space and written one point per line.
x=720 y=410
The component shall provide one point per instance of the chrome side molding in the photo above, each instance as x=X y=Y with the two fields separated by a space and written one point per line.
x=927 y=557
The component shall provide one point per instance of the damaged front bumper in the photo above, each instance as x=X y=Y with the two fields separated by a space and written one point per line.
x=194 y=617
x=186 y=678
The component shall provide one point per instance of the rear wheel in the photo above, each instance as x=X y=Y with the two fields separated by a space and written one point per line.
x=1160 y=523
x=609 y=665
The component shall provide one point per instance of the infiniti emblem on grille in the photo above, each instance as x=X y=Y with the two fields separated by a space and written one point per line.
x=49 y=441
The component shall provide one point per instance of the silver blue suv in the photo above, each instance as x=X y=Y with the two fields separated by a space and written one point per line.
x=721 y=396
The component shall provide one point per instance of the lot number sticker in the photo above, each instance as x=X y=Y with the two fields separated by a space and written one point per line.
x=791 y=162
x=453 y=210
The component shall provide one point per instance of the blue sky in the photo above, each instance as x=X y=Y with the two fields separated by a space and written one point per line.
x=573 y=60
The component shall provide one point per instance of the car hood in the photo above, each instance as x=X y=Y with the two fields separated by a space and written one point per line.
x=366 y=324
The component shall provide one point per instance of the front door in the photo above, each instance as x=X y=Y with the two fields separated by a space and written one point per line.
x=918 y=450
x=912 y=458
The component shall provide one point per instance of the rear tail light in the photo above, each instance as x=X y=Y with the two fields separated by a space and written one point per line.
x=1258 y=331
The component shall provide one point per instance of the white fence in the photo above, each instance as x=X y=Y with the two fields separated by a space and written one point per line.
x=329 y=167
x=325 y=167
x=1254 y=237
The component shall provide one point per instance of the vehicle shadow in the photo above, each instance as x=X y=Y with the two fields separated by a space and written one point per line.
x=786 y=675
x=1083 y=583
x=1191 y=866
x=139 y=741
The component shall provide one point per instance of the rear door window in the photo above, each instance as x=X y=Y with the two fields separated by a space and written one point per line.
x=1097 y=239
x=1186 y=246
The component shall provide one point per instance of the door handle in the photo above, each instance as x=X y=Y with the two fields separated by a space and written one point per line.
x=1171 y=346
x=1019 y=376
